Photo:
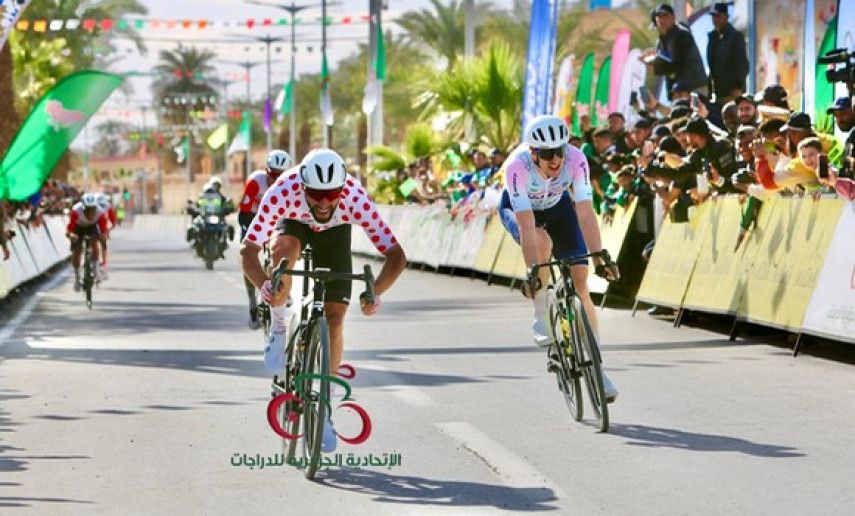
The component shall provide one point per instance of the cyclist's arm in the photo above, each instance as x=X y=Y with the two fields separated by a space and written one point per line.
x=528 y=239
x=251 y=265
x=259 y=231
x=395 y=263
x=516 y=177
x=582 y=194
x=72 y=222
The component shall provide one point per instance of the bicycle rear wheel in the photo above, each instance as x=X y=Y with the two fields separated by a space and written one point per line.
x=589 y=357
x=317 y=394
x=567 y=374
x=88 y=275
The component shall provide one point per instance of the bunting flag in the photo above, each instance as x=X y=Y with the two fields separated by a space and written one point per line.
x=326 y=100
x=583 y=92
x=49 y=128
x=285 y=100
x=601 y=98
x=219 y=137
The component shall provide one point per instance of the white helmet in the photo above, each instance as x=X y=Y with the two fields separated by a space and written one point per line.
x=215 y=181
x=89 y=200
x=546 y=132
x=278 y=159
x=103 y=200
x=323 y=169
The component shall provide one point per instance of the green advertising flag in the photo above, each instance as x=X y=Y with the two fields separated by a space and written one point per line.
x=824 y=91
x=408 y=186
x=583 y=92
x=601 y=98
x=50 y=128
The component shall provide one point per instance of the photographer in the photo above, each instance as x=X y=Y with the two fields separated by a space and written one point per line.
x=844 y=116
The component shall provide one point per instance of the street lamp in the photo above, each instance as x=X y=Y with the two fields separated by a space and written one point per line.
x=292 y=9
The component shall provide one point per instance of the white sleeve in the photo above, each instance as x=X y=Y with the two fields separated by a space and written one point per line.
x=580 y=175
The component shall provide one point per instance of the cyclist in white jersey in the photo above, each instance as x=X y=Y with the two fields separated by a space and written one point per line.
x=547 y=208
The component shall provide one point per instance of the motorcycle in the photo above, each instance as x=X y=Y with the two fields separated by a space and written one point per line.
x=209 y=234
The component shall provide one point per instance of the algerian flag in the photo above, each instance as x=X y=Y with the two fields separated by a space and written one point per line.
x=372 y=86
x=285 y=100
x=242 y=138
x=49 y=129
x=218 y=138
x=183 y=150
x=326 y=100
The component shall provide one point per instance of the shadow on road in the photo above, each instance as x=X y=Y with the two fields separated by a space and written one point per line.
x=640 y=435
x=21 y=501
x=422 y=491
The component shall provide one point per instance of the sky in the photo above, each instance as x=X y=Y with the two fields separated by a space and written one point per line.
x=342 y=42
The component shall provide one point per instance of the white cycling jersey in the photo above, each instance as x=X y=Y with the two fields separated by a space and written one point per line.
x=528 y=191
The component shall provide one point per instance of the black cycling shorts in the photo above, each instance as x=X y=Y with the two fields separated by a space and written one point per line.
x=91 y=231
x=330 y=250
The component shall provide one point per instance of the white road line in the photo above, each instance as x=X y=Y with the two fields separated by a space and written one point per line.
x=27 y=309
x=512 y=470
x=406 y=393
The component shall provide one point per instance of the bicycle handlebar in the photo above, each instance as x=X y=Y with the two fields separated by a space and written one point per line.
x=324 y=276
x=604 y=254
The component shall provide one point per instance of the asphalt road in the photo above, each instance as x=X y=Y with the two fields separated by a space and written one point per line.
x=141 y=405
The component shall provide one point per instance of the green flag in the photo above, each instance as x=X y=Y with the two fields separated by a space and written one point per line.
x=601 y=98
x=824 y=90
x=182 y=150
x=50 y=128
x=380 y=59
x=285 y=99
x=408 y=186
x=583 y=92
x=326 y=100
x=218 y=137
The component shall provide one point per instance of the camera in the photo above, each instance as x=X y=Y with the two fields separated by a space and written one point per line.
x=839 y=74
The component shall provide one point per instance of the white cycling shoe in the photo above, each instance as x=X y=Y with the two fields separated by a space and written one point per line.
x=329 y=441
x=541 y=333
x=609 y=388
x=274 y=352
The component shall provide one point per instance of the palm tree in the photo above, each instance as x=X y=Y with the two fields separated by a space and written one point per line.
x=442 y=29
x=181 y=73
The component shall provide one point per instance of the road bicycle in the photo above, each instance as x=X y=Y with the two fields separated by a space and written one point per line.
x=88 y=280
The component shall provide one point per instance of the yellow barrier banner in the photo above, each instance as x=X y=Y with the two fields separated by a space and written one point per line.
x=509 y=262
x=612 y=235
x=719 y=279
x=491 y=244
x=673 y=260
x=788 y=259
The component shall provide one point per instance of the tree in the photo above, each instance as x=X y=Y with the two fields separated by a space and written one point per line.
x=36 y=69
x=442 y=30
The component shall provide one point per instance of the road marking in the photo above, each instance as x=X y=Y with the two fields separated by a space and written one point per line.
x=27 y=309
x=512 y=470
x=406 y=393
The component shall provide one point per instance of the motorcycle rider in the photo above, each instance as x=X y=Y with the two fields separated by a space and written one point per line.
x=211 y=200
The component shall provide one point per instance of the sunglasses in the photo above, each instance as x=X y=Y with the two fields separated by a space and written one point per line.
x=548 y=154
x=321 y=195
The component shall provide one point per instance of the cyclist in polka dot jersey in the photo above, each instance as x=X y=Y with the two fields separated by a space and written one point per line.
x=317 y=203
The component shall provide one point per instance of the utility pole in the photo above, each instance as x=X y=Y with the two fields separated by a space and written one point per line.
x=324 y=126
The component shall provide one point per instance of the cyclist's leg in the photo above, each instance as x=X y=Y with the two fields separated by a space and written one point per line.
x=250 y=288
x=563 y=226
x=544 y=241
x=331 y=249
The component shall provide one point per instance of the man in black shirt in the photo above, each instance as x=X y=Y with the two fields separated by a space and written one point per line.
x=845 y=118
x=727 y=57
x=676 y=56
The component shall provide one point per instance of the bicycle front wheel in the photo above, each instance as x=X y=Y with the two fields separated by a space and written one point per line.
x=589 y=359
x=88 y=275
x=317 y=394
x=562 y=355
x=291 y=410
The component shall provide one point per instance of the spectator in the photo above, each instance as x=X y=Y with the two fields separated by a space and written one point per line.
x=641 y=131
x=726 y=56
x=730 y=118
x=616 y=127
x=799 y=127
x=774 y=96
x=844 y=116
x=746 y=110
x=676 y=56
x=497 y=159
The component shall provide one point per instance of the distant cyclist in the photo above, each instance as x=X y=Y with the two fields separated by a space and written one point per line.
x=546 y=207
x=86 y=219
x=257 y=184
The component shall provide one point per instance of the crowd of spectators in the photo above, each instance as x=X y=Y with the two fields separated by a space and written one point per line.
x=54 y=198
